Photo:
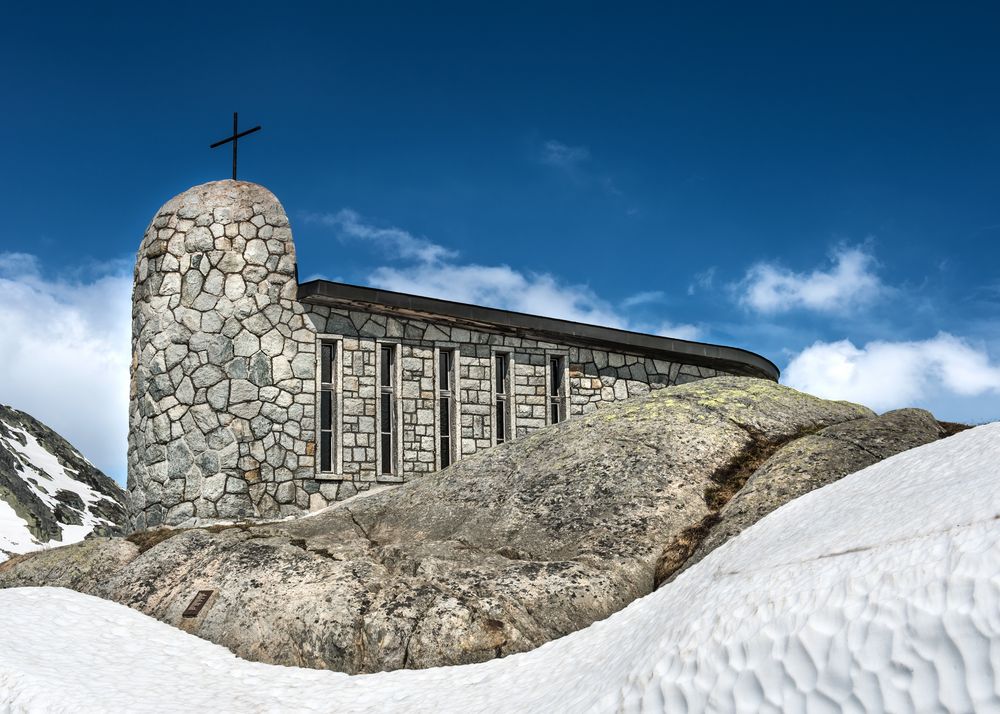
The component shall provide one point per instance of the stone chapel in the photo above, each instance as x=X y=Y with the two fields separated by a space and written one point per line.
x=256 y=396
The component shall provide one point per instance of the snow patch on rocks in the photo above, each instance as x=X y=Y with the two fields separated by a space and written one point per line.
x=50 y=494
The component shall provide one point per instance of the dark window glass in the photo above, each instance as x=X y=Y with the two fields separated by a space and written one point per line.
x=501 y=379
x=326 y=452
x=556 y=373
x=501 y=374
x=445 y=452
x=387 y=417
x=325 y=410
x=326 y=369
x=556 y=389
x=387 y=365
x=444 y=370
x=327 y=405
x=446 y=367
x=445 y=416
x=386 y=413
x=387 y=453
x=501 y=421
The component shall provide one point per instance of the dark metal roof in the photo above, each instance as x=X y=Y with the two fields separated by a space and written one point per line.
x=729 y=359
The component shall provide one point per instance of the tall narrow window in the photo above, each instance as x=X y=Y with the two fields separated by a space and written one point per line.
x=387 y=425
x=501 y=376
x=556 y=392
x=446 y=371
x=327 y=406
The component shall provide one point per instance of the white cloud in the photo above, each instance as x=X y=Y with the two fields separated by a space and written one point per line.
x=64 y=354
x=643 y=298
x=393 y=241
x=555 y=153
x=851 y=281
x=500 y=286
x=888 y=375
x=678 y=331
x=433 y=272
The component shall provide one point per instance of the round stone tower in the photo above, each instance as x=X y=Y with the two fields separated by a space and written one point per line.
x=223 y=362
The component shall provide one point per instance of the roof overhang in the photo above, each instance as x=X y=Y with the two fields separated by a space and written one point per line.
x=387 y=302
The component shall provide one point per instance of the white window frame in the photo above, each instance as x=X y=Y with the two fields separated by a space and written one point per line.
x=337 y=425
x=563 y=355
x=510 y=417
x=397 y=416
x=455 y=439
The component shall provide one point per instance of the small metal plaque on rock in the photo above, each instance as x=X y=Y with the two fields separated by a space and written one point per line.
x=198 y=603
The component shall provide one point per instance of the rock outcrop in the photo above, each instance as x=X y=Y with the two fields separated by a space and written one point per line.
x=497 y=554
x=49 y=493
x=809 y=463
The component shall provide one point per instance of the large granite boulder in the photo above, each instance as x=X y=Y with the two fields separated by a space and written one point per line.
x=809 y=463
x=497 y=554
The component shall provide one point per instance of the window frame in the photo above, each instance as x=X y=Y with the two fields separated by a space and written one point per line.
x=561 y=398
x=507 y=397
x=453 y=420
x=335 y=388
x=393 y=391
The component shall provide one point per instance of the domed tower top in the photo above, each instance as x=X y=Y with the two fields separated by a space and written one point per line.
x=228 y=216
x=213 y=315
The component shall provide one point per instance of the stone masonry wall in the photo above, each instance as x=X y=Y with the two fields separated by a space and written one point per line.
x=359 y=400
x=476 y=412
x=595 y=377
x=223 y=365
x=530 y=392
x=223 y=402
x=418 y=410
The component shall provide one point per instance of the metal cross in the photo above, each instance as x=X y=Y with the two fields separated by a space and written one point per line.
x=235 y=138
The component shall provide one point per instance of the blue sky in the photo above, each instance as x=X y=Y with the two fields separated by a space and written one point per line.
x=817 y=185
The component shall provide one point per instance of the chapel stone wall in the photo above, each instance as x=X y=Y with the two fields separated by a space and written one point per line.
x=224 y=390
x=595 y=377
x=221 y=400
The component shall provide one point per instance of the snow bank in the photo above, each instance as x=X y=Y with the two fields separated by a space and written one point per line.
x=876 y=593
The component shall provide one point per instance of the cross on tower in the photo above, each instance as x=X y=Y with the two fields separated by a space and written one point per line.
x=235 y=139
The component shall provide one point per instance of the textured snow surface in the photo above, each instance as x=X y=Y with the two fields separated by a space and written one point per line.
x=880 y=592
x=45 y=476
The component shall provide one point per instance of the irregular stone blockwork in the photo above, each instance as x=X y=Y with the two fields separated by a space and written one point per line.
x=221 y=402
x=595 y=378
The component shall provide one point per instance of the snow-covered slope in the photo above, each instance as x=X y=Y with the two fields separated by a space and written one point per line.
x=880 y=592
x=49 y=493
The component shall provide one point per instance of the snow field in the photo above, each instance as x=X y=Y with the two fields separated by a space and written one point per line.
x=880 y=592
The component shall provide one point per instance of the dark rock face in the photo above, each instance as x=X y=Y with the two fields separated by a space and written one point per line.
x=501 y=552
x=23 y=480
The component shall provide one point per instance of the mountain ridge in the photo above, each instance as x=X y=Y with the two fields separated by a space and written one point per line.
x=50 y=494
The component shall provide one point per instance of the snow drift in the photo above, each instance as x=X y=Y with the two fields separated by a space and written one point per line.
x=880 y=592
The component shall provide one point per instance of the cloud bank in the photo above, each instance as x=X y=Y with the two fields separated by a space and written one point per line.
x=394 y=241
x=888 y=375
x=432 y=270
x=849 y=282
x=64 y=354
